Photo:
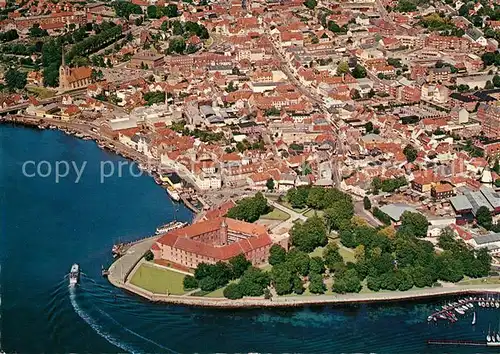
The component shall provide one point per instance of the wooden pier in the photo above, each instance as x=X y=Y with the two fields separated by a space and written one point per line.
x=468 y=343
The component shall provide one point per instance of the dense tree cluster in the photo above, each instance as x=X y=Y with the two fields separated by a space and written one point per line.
x=379 y=214
x=316 y=197
x=8 y=36
x=388 y=185
x=250 y=209
x=186 y=29
x=309 y=235
x=410 y=152
x=310 y=4
x=15 y=79
x=36 y=31
x=212 y=276
x=405 y=261
x=253 y=282
x=154 y=97
x=126 y=8
x=170 y=10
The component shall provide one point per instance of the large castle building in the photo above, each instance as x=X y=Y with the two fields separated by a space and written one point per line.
x=214 y=240
x=73 y=78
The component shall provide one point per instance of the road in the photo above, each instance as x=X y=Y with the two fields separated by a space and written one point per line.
x=359 y=210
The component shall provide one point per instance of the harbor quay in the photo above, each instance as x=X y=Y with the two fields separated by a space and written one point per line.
x=122 y=270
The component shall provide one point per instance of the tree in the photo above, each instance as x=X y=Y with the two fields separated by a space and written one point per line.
x=233 y=291
x=239 y=265
x=270 y=184
x=231 y=87
x=190 y=282
x=253 y=282
x=410 y=153
x=36 y=31
x=310 y=4
x=15 y=79
x=489 y=85
x=496 y=80
x=277 y=255
x=369 y=127
x=208 y=284
x=177 y=45
x=366 y=203
x=249 y=209
x=355 y=94
x=316 y=285
x=298 y=261
x=298 y=286
x=359 y=253
x=334 y=27
x=343 y=67
x=316 y=265
x=171 y=11
x=338 y=214
x=309 y=235
x=414 y=224
x=331 y=255
x=483 y=217
x=359 y=72
x=282 y=279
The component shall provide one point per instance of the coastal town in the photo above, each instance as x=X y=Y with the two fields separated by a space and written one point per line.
x=329 y=150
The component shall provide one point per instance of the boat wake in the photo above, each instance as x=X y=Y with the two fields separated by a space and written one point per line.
x=91 y=320
x=95 y=326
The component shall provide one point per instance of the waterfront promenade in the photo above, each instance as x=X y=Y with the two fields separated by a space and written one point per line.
x=123 y=268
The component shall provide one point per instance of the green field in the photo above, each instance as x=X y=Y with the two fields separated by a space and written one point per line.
x=491 y=280
x=41 y=92
x=345 y=252
x=276 y=214
x=312 y=212
x=158 y=280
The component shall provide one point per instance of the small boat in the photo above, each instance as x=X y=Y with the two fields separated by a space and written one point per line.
x=464 y=308
x=74 y=275
x=474 y=319
x=429 y=319
x=492 y=304
x=459 y=311
x=487 y=304
x=441 y=316
x=498 y=337
x=470 y=305
x=497 y=304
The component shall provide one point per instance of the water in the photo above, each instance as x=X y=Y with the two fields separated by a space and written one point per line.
x=47 y=226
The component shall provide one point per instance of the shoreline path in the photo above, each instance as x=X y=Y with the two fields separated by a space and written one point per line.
x=121 y=270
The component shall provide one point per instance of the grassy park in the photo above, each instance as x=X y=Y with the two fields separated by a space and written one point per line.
x=276 y=214
x=158 y=280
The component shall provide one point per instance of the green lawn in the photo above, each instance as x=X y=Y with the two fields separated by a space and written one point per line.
x=346 y=253
x=216 y=293
x=318 y=252
x=289 y=206
x=158 y=280
x=491 y=280
x=41 y=92
x=276 y=214
x=311 y=212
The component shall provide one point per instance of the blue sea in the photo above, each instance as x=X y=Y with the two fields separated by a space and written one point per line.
x=47 y=224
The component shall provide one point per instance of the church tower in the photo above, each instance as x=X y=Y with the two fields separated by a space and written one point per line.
x=63 y=72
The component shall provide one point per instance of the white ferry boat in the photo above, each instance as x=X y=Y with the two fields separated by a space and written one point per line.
x=74 y=275
x=173 y=194
x=169 y=227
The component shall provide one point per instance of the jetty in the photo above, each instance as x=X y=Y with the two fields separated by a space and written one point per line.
x=120 y=249
x=468 y=343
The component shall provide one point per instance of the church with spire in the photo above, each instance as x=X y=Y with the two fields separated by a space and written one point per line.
x=73 y=78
